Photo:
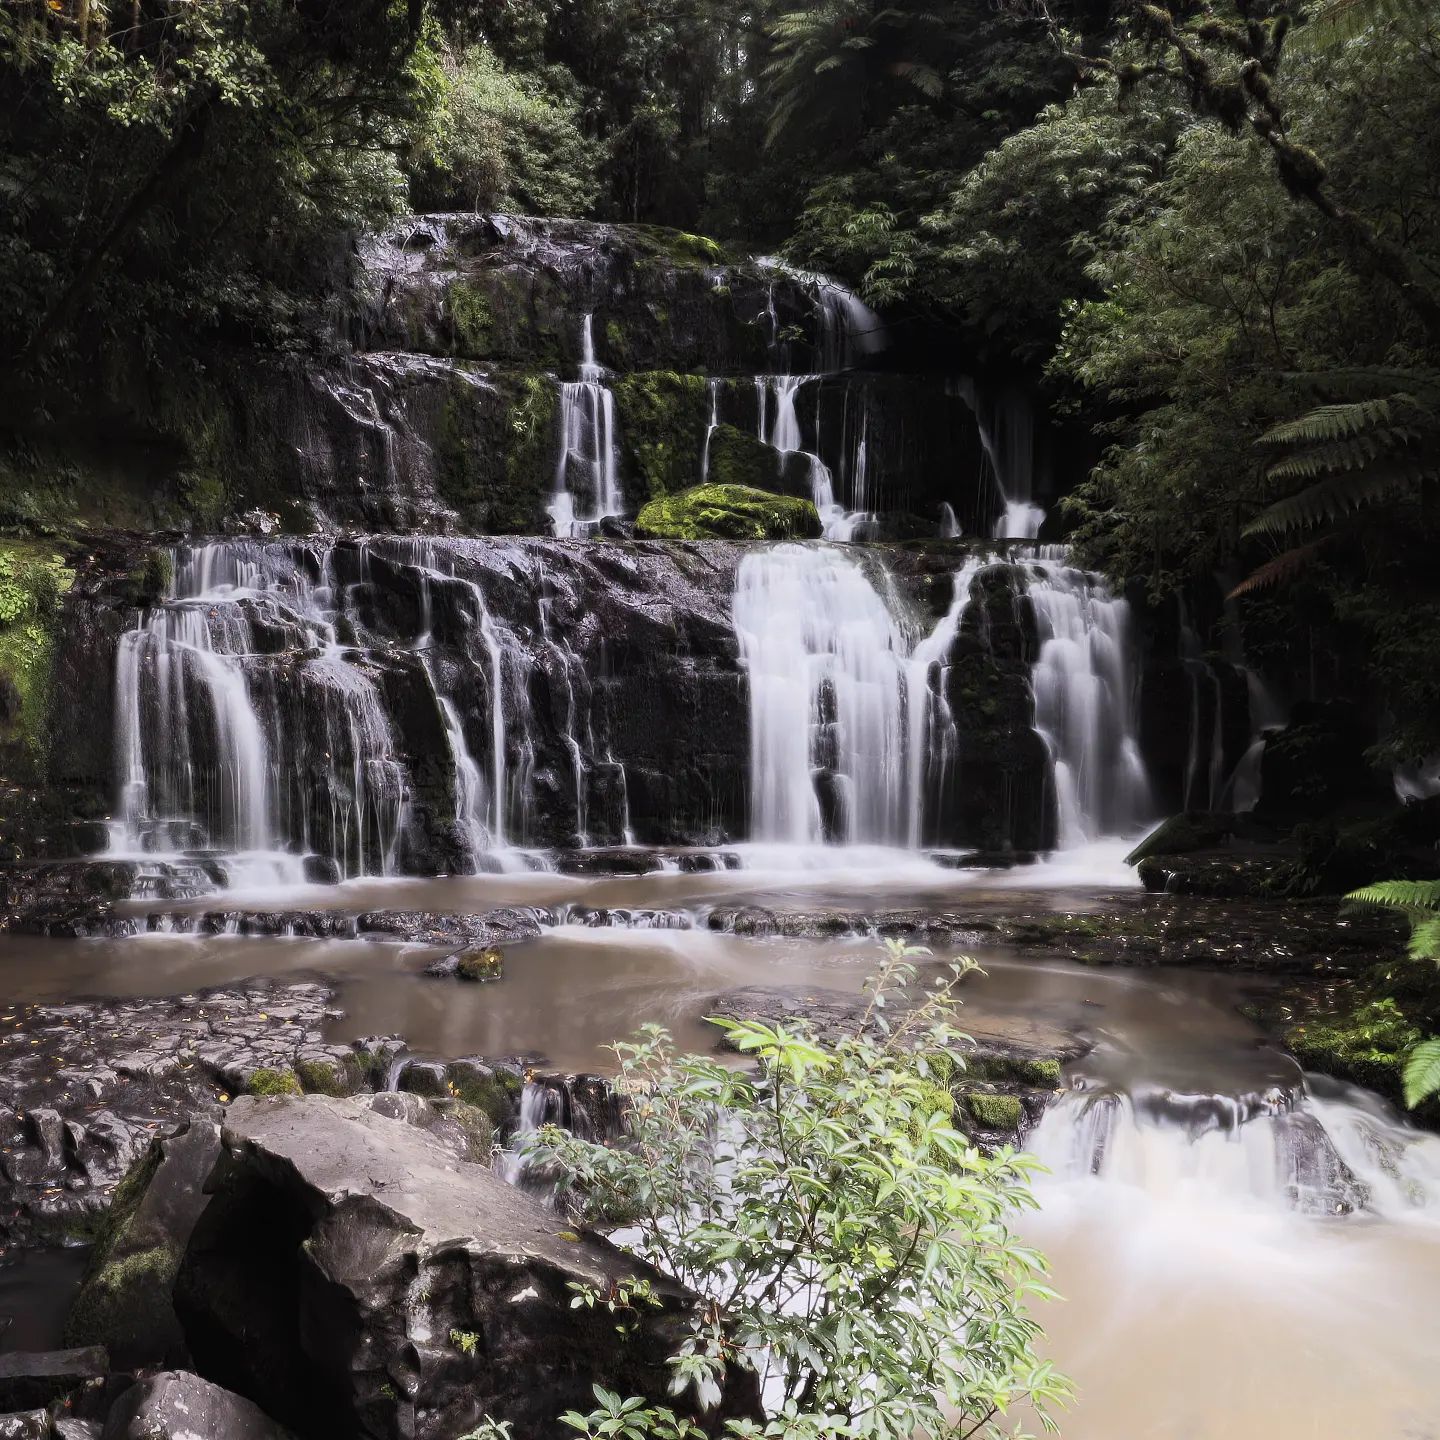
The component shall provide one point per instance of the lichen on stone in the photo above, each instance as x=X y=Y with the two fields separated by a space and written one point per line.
x=269 y=1083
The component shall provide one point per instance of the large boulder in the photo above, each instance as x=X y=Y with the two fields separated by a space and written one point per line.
x=124 y=1301
x=354 y=1278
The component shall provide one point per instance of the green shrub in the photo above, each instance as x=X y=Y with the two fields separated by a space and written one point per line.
x=853 y=1242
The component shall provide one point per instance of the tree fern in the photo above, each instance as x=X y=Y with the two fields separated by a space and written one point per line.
x=1356 y=452
x=1422 y=1072
x=1330 y=422
x=1336 y=496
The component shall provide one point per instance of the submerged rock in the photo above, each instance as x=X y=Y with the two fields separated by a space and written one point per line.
x=728 y=512
x=352 y=1277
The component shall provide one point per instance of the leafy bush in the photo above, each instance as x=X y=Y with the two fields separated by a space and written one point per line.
x=852 y=1243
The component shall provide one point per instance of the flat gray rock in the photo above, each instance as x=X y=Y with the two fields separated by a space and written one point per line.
x=176 y=1406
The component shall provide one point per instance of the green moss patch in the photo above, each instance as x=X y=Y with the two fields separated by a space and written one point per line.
x=995 y=1112
x=740 y=459
x=269 y=1083
x=662 y=418
x=728 y=512
x=32 y=581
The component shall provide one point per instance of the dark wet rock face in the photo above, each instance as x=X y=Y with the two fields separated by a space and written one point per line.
x=351 y=1276
x=33 y=1381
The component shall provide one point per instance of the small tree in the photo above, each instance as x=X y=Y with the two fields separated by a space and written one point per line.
x=851 y=1245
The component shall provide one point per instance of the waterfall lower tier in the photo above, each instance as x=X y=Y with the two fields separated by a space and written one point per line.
x=437 y=705
x=1085 y=704
x=846 y=725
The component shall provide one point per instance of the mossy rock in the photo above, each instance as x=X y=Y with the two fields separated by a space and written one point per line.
x=995 y=1112
x=496 y=450
x=32 y=581
x=328 y=1077
x=728 y=512
x=662 y=417
x=1014 y=1070
x=679 y=247
x=740 y=459
x=268 y=1083
x=478 y=1125
x=124 y=1301
x=481 y=963
x=483 y=1089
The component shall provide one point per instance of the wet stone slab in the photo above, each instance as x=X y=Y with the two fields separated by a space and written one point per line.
x=85 y=1086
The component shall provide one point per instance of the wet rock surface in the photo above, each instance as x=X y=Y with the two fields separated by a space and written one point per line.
x=1273 y=936
x=346 y=1260
x=85 y=1087
x=175 y=1405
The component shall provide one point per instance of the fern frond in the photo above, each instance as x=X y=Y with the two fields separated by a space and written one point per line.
x=925 y=78
x=1423 y=895
x=1337 y=21
x=1330 y=422
x=1285 y=566
x=1425 y=939
x=1422 y=1072
x=1335 y=497
x=1354 y=452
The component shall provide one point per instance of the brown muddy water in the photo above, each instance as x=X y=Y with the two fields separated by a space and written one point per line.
x=1241 y=1258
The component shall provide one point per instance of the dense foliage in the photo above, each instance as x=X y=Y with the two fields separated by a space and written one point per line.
x=853 y=1242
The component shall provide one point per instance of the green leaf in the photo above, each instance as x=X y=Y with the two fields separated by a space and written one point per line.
x=1422 y=1072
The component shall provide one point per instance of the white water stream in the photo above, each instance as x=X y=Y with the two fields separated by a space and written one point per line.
x=587 y=475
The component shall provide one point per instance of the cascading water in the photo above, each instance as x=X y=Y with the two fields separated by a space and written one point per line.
x=1280 y=1242
x=1085 y=704
x=779 y=427
x=1006 y=424
x=845 y=723
x=587 y=476
x=214 y=747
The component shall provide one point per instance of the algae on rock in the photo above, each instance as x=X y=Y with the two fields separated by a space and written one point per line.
x=728 y=512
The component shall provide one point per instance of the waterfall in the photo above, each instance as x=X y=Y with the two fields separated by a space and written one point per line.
x=949 y=523
x=844 y=722
x=213 y=749
x=779 y=427
x=587 y=475
x=1085 y=705
x=1205 y=762
x=712 y=385
x=849 y=328
x=1006 y=424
